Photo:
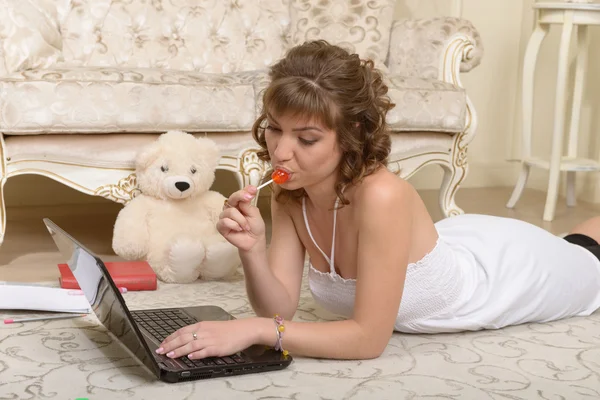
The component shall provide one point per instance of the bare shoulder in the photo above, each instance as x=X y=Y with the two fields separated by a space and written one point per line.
x=383 y=192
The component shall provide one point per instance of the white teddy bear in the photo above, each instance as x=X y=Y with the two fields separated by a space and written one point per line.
x=172 y=223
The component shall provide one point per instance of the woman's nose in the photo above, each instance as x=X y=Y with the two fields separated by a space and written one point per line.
x=284 y=149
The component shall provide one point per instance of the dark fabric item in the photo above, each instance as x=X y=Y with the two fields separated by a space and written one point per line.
x=584 y=241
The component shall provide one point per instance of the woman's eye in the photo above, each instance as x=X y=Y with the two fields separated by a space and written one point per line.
x=270 y=128
x=193 y=170
x=164 y=168
x=308 y=142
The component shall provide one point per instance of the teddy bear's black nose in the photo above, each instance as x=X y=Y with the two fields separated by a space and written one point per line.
x=182 y=186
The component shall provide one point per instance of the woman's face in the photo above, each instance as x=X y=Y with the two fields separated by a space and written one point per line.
x=304 y=148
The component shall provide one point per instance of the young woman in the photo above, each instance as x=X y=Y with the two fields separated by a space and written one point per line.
x=376 y=257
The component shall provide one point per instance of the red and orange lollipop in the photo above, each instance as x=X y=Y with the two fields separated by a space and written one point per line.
x=278 y=176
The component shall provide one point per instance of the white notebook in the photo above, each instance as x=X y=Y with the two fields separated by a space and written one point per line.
x=19 y=297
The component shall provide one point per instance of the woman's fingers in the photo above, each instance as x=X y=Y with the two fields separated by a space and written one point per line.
x=244 y=195
x=236 y=216
x=187 y=341
x=207 y=351
x=229 y=224
x=185 y=349
x=175 y=335
x=196 y=349
x=248 y=209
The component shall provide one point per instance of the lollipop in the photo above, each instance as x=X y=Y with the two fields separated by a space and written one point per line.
x=278 y=176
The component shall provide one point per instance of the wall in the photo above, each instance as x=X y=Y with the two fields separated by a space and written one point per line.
x=491 y=87
x=588 y=184
x=494 y=87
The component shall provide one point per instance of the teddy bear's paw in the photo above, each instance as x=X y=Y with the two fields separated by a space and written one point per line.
x=178 y=273
x=222 y=260
x=167 y=275
x=184 y=260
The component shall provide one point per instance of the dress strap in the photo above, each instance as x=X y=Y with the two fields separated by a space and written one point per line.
x=330 y=261
x=332 y=264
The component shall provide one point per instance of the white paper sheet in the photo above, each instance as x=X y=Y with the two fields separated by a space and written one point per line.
x=41 y=298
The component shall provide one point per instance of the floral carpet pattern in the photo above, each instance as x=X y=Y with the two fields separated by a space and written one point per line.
x=77 y=358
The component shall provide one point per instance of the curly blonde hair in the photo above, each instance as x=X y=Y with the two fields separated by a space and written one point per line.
x=345 y=94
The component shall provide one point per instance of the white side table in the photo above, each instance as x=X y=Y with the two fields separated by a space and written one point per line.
x=571 y=16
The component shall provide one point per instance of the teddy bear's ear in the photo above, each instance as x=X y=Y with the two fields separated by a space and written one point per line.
x=147 y=156
x=208 y=152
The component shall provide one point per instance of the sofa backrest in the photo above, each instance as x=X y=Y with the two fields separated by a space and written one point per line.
x=200 y=35
x=196 y=35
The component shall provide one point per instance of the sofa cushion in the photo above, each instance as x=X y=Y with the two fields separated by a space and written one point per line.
x=96 y=100
x=360 y=26
x=107 y=100
x=29 y=35
x=206 y=36
x=426 y=105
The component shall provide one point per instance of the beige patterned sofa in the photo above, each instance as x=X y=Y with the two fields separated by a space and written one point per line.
x=85 y=83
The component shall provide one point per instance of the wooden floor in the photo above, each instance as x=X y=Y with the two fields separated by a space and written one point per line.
x=28 y=253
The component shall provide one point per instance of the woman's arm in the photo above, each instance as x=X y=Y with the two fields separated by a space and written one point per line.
x=385 y=226
x=273 y=281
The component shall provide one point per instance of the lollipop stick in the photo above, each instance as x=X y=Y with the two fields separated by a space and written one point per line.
x=264 y=184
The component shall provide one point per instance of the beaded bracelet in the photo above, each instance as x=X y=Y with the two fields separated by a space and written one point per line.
x=279 y=328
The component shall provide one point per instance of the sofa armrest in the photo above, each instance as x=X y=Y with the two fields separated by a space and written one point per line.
x=436 y=48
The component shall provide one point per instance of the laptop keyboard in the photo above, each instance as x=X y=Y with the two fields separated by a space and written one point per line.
x=162 y=323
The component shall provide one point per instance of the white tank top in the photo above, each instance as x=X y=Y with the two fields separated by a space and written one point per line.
x=429 y=290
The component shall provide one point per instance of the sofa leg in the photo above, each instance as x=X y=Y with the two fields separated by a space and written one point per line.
x=454 y=173
x=2 y=212
x=453 y=176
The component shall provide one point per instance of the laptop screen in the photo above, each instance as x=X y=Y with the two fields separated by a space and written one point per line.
x=102 y=293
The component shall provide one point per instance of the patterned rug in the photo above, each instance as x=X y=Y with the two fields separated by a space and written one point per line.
x=76 y=358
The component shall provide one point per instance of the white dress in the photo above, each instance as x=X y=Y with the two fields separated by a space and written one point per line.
x=485 y=272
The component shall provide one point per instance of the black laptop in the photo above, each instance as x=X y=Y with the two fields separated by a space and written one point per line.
x=141 y=331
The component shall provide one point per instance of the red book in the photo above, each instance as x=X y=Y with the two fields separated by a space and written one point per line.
x=132 y=275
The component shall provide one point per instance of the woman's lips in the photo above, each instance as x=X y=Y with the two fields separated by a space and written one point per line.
x=283 y=169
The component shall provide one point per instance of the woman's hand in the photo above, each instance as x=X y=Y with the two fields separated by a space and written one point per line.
x=214 y=338
x=240 y=222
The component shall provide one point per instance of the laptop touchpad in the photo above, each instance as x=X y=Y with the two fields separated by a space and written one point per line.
x=209 y=313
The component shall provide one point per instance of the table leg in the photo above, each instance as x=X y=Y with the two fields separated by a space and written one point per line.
x=582 y=58
x=529 y=63
x=559 y=117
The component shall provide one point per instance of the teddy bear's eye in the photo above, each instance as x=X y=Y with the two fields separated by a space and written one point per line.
x=164 y=168
x=193 y=170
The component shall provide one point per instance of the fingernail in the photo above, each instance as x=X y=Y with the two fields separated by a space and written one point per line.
x=190 y=356
x=170 y=354
x=248 y=196
x=159 y=350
